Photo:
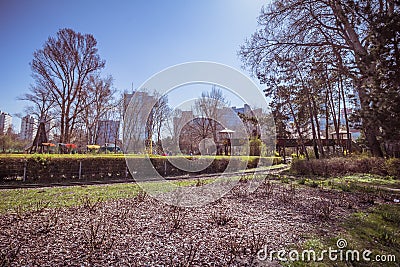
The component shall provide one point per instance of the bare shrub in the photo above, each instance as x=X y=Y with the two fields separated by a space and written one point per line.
x=244 y=178
x=49 y=223
x=235 y=245
x=200 y=182
x=176 y=217
x=141 y=196
x=268 y=187
x=220 y=217
x=254 y=242
x=392 y=167
x=323 y=209
x=342 y=166
x=287 y=194
x=186 y=256
x=123 y=213
x=89 y=203
x=239 y=191
x=9 y=254
x=18 y=211
x=40 y=206
x=97 y=237
x=242 y=249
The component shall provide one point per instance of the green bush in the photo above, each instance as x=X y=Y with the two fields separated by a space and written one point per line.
x=255 y=147
x=393 y=167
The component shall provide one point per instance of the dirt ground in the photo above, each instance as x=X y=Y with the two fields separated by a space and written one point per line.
x=144 y=232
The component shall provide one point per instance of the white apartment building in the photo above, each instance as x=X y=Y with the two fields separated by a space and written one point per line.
x=5 y=122
x=27 y=128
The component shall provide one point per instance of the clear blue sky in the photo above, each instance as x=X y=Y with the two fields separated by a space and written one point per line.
x=137 y=38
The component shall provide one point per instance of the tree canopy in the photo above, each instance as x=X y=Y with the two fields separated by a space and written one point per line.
x=353 y=45
x=63 y=69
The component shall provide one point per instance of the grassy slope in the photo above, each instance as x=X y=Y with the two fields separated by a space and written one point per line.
x=376 y=229
x=20 y=200
x=17 y=200
x=28 y=199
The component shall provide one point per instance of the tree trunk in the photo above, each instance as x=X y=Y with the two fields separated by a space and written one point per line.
x=320 y=147
x=353 y=40
x=327 y=118
x=314 y=136
x=62 y=122
x=298 y=130
x=345 y=115
x=369 y=127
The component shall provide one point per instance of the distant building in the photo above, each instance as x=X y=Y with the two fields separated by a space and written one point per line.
x=243 y=110
x=108 y=132
x=137 y=108
x=27 y=128
x=141 y=98
x=189 y=130
x=353 y=127
x=5 y=122
x=49 y=125
x=231 y=119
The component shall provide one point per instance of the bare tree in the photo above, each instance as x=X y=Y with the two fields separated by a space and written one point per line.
x=344 y=29
x=100 y=99
x=136 y=112
x=209 y=107
x=62 y=69
x=157 y=118
x=194 y=134
x=175 y=123
x=41 y=104
x=161 y=113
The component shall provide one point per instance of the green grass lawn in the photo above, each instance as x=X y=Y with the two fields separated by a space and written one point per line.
x=20 y=200
x=54 y=197
x=376 y=229
x=352 y=182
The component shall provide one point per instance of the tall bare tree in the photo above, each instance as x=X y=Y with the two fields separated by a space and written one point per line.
x=41 y=104
x=209 y=107
x=62 y=69
x=158 y=116
x=99 y=101
x=345 y=29
x=137 y=130
x=161 y=114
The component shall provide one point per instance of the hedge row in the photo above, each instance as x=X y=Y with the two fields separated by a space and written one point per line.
x=344 y=166
x=55 y=169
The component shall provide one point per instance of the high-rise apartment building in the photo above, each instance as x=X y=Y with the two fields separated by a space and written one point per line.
x=27 y=128
x=5 y=122
x=108 y=132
